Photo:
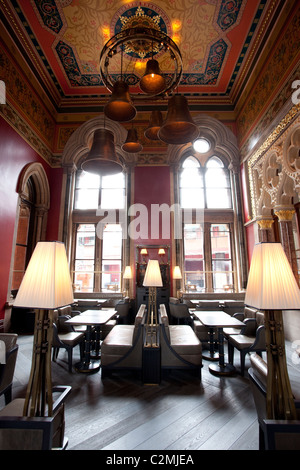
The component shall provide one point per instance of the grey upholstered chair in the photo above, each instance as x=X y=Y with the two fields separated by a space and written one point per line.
x=8 y=367
x=64 y=336
x=180 y=313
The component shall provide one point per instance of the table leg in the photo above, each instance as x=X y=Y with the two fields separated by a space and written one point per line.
x=96 y=353
x=213 y=355
x=221 y=368
x=86 y=365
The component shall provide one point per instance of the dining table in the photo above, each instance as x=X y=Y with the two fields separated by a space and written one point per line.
x=218 y=319
x=91 y=318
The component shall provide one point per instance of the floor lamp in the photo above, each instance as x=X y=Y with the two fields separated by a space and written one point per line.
x=152 y=280
x=46 y=286
x=272 y=287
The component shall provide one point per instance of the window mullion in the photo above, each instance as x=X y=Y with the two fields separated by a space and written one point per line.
x=208 y=258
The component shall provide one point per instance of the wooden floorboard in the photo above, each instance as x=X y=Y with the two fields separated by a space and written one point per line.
x=120 y=413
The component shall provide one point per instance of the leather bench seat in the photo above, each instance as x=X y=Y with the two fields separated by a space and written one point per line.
x=117 y=343
x=185 y=343
x=122 y=347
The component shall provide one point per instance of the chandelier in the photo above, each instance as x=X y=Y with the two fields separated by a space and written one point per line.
x=141 y=49
x=139 y=63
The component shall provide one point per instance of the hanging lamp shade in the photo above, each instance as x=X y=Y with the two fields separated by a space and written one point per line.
x=155 y=124
x=152 y=82
x=178 y=127
x=132 y=144
x=120 y=107
x=102 y=158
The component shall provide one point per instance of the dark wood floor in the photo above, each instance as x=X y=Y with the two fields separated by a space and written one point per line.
x=120 y=413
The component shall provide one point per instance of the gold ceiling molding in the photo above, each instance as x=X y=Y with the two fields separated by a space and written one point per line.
x=281 y=127
x=25 y=131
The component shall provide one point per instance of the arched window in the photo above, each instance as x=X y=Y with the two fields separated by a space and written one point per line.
x=97 y=246
x=217 y=184
x=207 y=247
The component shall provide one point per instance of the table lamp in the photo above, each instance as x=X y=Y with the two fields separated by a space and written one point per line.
x=272 y=287
x=46 y=285
x=127 y=275
x=152 y=280
x=177 y=276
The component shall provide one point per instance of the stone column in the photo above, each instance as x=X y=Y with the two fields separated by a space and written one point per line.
x=266 y=232
x=285 y=217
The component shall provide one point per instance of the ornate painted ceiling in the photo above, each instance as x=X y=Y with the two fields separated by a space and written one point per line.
x=219 y=41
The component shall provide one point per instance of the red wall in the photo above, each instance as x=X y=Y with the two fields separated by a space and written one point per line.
x=15 y=153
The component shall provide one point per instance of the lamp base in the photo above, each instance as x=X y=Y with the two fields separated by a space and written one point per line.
x=39 y=389
x=280 y=401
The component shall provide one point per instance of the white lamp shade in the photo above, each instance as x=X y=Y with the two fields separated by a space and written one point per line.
x=127 y=273
x=177 y=273
x=153 y=275
x=46 y=283
x=271 y=282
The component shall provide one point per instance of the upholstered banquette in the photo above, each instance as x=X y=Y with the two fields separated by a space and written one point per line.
x=122 y=347
x=180 y=347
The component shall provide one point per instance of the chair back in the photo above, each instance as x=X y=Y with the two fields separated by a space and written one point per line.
x=179 y=310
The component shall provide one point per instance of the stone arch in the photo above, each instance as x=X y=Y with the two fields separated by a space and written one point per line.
x=40 y=180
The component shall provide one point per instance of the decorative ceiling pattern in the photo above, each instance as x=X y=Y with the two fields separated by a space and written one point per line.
x=67 y=36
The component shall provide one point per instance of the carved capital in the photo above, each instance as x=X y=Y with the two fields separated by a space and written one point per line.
x=265 y=224
x=285 y=215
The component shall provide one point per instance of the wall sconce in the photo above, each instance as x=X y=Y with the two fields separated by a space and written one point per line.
x=144 y=253
x=161 y=253
x=177 y=276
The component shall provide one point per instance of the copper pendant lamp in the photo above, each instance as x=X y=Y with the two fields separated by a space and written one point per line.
x=178 y=127
x=152 y=82
x=155 y=124
x=132 y=144
x=102 y=158
x=120 y=107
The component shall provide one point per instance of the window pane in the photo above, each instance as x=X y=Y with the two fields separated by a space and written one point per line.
x=111 y=275
x=192 y=198
x=112 y=199
x=86 y=199
x=220 y=241
x=111 y=258
x=84 y=275
x=85 y=242
x=193 y=257
x=221 y=256
x=218 y=198
x=87 y=180
x=113 y=181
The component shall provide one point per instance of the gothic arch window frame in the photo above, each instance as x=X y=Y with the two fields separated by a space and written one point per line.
x=75 y=149
x=224 y=146
x=36 y=173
